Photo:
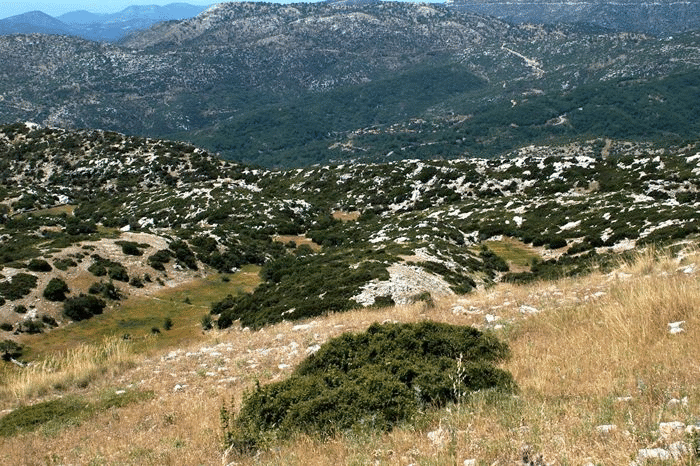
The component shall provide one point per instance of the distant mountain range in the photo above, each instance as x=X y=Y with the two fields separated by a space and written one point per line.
x=98 y=27
x=298 y=84
x=659 y=18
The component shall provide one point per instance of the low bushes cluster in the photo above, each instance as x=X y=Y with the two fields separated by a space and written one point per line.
x=64 y=264
x=159 y=259
x=30 y=326
x=107 y=290
x=83 y=307
x=114 y=270
x=56 y=290
x=183 y=254
x=301 y=286
x=371 y=380
x=131 y=248
x=18 y=286
x=77 y=227
x=39 y=265
x=10 y=350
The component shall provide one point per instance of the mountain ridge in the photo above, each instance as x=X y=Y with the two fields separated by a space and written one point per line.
x=658 y=18
x=107 y=27
x=269 y=84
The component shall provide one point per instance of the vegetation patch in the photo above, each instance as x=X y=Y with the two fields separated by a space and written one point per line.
x=10 y=350
x=114 y=270
x=63 y=411
x=300 y=286
x=64 y=264
x=159 y=259
x=107 y=290
x=39 y=265
x=514 y=252
x=132 y=248
x=56 y=290
x=18 y=287
x=83 y=307
x=371 y=381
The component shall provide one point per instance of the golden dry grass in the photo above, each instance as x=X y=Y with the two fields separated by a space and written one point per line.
x=346 y=216
x=298 y=240
x=72 y=368
x=597 y=352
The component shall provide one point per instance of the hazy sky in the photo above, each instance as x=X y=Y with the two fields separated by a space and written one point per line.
x=58 y=7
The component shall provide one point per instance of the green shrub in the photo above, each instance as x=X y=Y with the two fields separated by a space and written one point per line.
x=48 y=320
x=493 y=261
x=310 y=285
x=101 y=267
x=18 y=287
x=76 y=227
x=28 y=418
x=31 y=326
x=206 y=322
x=63 y=411
x=167 y=323
x=183 y=254
x=83 y=307
x=64 y=264
x=106 y=290
x=136 y=282
x=159 y=259
x=556 y=243
x=130 y=248
x=39 y=265
x=10 y=350
x=384 y=301
x=97 y=269
x=56 y=290
x=20 y=309
x=6 y=326
x=371 y=380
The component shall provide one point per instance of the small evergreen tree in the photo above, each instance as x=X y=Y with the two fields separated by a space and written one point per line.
x=56 y=290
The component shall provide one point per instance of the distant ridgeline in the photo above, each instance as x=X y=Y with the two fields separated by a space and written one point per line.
x=98 y=27
x=443 y=223
x=659 y=18
x=295 y=85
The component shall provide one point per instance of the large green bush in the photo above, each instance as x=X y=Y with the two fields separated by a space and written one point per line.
x=56 y=290
x=39 y=265
x=375 y=379
x=10 y=350
x=83 y=307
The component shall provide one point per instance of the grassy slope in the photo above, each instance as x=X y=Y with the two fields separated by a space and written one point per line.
x=596 y=338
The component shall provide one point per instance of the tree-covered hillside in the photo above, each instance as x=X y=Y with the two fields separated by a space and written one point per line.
x=328 y=238
x=293 y=85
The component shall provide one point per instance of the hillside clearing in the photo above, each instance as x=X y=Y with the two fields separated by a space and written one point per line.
x=588 y=352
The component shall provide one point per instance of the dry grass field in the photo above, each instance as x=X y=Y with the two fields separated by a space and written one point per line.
x=597 y=367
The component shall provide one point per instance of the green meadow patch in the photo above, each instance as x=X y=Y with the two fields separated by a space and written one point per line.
x=516 y=253
x=135 y=317
x=69 y=410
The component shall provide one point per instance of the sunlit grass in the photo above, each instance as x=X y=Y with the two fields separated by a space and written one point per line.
x=136 y=317
x=598 y=352
x=515 y=252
